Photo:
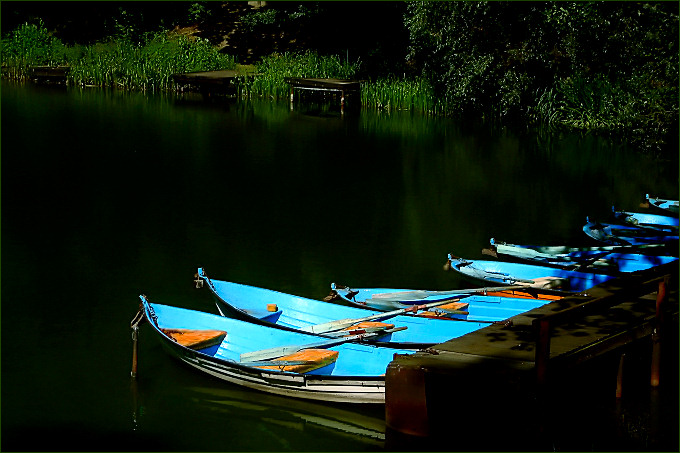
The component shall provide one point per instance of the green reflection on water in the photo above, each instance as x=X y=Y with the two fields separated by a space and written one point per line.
x=107 y=195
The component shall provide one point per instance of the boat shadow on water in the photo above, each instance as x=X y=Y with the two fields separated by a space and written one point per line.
x=228 y=411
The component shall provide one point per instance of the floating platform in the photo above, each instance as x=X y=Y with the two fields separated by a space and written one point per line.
x=49 y=74
x=212 y=81
x=561 y=351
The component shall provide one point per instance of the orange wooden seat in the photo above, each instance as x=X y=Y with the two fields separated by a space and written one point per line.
x=453 y=306
x=370 y=325
x=314 y=358
x=196 y=339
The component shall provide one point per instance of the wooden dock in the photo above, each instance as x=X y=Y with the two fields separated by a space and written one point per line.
x=209 y=82
x=542 y=355
x=49 y=74
x=341 y=87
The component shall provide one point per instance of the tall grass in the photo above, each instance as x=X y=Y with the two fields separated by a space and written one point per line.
x=31 y=45
x=634 y=108
x=117 y=62
x=272 y=71
x=402 y=94
x=146 y=66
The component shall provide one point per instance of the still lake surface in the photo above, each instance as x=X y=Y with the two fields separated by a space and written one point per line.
x=107 y=195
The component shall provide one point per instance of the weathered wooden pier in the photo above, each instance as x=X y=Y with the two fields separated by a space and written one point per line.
x=537 y=362
x=212 y=82
x=342 y=87
x=49 y=74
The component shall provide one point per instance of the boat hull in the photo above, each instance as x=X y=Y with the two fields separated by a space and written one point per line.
x=507 y=273
x=338 y=390
x=608 y=260
x=294 y=313
x=671 y=206
x=358 y=375
x=486 y=308
x=627 y=234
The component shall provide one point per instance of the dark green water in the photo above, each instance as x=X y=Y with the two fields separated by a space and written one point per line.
x=106 y=195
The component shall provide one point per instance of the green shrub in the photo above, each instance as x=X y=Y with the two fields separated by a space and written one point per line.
x=31 y=45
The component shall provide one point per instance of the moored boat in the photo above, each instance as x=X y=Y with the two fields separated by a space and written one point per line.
x=606 y=259
x=274 y=360
x=616 y=234
x=507 y=273
x=432 y=322
x=479 y=307
x=640 y=219
x=671 y=206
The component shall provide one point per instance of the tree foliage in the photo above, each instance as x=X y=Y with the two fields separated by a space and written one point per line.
x=609 y=66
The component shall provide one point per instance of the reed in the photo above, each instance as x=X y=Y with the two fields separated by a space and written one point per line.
x=146 y=66
x=31 y=45
x=402 y=94
x=593 y=104
x=273 y=69
x=118 y=62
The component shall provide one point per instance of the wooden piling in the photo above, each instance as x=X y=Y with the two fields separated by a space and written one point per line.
x=661 y=297
x=405 y=398
x=619 y=378
x=542 y=351
x=134 y=325
x=135 y=336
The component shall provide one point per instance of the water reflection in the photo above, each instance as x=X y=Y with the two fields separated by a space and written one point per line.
x=243 y=420
x=108 y=194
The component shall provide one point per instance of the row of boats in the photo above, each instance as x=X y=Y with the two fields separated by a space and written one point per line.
x=338 y=348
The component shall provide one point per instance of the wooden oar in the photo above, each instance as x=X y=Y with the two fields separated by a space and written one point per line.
x=343 y=323
x=280 y=351
x=361 y=330
x=423 y=294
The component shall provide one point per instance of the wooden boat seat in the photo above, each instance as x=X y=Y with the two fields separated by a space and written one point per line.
x=453 y=306
x=367 y=326
x=313 y=358
x=196 y=339
x=550 y=282
x=444 y=311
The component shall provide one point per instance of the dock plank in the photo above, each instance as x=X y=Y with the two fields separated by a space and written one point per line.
x=510 y=363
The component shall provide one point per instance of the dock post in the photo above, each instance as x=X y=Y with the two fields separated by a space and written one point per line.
x=134 y=325
x=661 y=298
x=405 y=397
x=619 y=378
x=135 y=336
x=542 y=351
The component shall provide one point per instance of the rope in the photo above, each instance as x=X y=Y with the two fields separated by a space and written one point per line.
x=138 y=319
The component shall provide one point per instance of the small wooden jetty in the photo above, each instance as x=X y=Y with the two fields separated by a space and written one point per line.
x=343 y=87
x=208 y=82
x=539 y=359
x=49 y=74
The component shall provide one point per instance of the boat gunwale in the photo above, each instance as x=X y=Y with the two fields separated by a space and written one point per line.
x=221 y=303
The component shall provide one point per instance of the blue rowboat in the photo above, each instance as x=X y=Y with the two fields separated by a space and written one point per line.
x=274 y=360
x=616 y=234
x=445 y=320
x=607 y=259
x=661 y=203
x=479 y=307
x=529 y=274
x=646 y=220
